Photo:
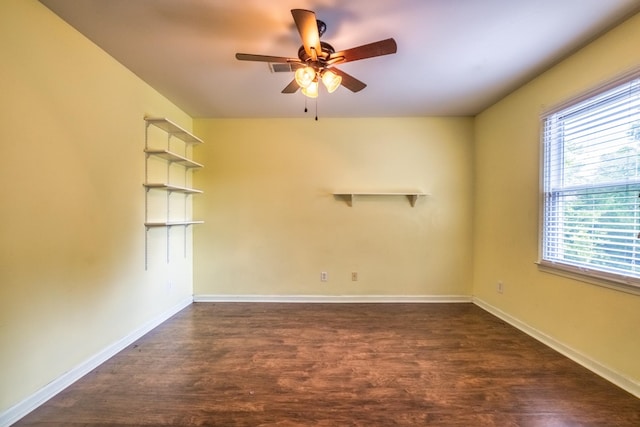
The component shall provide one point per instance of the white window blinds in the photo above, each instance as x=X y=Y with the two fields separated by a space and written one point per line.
x=591 y=180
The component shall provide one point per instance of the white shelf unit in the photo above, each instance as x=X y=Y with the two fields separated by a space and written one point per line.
x=176 y=156
x=351 y=196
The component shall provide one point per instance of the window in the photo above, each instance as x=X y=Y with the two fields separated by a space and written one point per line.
x=591 y=186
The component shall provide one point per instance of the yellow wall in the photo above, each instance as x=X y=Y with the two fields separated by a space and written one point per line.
x=72 y=277
x=599 y=323
x=272 y=224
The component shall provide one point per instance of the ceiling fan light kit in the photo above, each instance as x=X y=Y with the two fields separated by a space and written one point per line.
x=317 y=59
x=307 y=79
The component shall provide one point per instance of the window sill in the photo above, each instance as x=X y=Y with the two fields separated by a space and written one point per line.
x=611 y=281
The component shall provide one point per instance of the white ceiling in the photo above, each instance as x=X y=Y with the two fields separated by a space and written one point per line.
x=455 y=57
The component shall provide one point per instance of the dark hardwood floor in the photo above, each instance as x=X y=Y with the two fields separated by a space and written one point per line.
x=240 y=364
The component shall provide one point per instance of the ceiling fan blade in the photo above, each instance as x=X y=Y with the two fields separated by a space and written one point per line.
x=265 y=58
x=291 y=87
x=308 y=28
x=379 y=48
x=348 y=81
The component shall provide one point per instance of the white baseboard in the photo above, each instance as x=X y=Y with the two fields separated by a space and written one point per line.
x=21 y=409
x=335 y=298
x=592 y=365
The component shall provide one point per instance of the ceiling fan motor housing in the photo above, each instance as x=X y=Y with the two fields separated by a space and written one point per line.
x=323 y=56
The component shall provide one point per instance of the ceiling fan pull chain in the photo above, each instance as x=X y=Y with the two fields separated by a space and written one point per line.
x=316 y=109
x=305 y=104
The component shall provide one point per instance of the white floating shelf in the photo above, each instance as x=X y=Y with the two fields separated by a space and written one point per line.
x=173 y=129
x=351 y=196
x=171 y=223
x=173 y=158
x=172 y=188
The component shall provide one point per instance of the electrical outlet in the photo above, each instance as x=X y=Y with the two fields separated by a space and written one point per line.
x=500 y=287
x=354 y=276
x=324 y=276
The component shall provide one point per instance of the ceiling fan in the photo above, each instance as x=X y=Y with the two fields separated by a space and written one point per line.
x=317 y=59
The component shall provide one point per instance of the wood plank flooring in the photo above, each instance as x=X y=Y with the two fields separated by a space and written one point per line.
x=250 y=364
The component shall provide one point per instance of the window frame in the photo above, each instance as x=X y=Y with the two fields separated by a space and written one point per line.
x=594 y=276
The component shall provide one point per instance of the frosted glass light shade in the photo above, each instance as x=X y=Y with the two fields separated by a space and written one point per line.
x=304 y=76
x=311 y=90
x=331 y=80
